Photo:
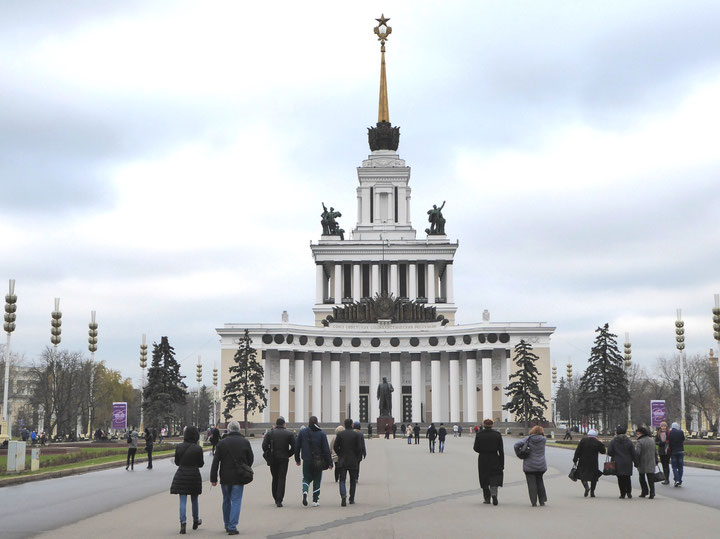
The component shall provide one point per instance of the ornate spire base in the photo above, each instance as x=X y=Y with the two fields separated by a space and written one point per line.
x=384 y=137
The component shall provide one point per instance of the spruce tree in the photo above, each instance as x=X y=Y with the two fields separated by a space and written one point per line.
x=604 y=386
x=164 y=388
x=562 y=400
x=527 y=401
x=245 y=386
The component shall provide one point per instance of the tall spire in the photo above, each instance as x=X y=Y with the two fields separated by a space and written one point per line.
x=384 y=136
x=382 y=30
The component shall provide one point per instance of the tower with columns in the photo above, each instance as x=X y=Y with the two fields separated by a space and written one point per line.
x=385 y=307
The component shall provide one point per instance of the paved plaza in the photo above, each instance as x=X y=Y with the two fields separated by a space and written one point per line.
x=403 y=492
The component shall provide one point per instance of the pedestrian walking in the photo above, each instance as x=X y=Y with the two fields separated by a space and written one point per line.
x=442 y=433
x=568 y=434
x=455 y=431
x=369 y=431
x=491 y=461
x=409 y=433
x=394 y=430
x=334 y=456
x=534 y=464
x=431 y=435
x=416 y=432
x=623 y=454
x=388 y=430
x=312 y=445
x=356 y=428
x=132 y=440
x=232 y=454
x=149 y=444
x=661 y=440
x=214 y=437
x=586 y=460
x=348 y=446
x=646 y=460
x=459 y=431
x=187 y=481
x=279 y=444
x=676 y=448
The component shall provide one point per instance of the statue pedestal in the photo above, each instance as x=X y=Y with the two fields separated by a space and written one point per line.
x=381 y=422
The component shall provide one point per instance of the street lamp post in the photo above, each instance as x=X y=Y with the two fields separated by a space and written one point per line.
x=198 y=377
x=569 y=379
x=55 y=331
x=680 y=345
x=554 y=391
x=628 y=364
x=92 y=347
x=143 y=364
x=9 y=327
x=716 y=328
x=215 y=390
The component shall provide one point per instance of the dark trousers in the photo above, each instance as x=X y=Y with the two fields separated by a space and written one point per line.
x=625 y=485
x=647 y=484
x=431 y=444
x=665 y=462
x=591 y=486
x=442 y=446
x=417 y=439
x=536 y=487
x=131 y=456
x=278 y=469
x=678 y=463
x=353 y=482
x=149 y=454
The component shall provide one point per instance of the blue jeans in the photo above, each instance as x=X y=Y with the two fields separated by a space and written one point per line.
x=232 y=502
x=678 y=462
x=442 y=446
x=432 y=446
x=183 y=505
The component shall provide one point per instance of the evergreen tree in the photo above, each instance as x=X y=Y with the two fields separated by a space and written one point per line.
x=164 y=388
x=562 y=400
x=604 y=386
x=245 y=386
x=527 y=401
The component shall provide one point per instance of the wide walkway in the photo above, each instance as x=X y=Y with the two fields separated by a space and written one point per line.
x=404 y=491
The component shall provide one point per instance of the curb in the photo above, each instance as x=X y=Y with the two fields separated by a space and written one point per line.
x=20 y=479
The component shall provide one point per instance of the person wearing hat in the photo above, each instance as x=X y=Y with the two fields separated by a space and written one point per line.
x=623 y=454
x=676 y=448
x=491 y=460
x=661 y=440
x=647 y=459
x=280 y=443
x=586 y=460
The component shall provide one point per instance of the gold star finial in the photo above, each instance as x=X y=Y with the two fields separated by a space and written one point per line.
x=382 y=30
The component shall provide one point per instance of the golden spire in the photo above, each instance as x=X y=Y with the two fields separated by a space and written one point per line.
x=382 y=30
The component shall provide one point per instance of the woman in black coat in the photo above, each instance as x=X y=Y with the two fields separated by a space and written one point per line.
x=623 y=454
x=586 y=460
x=149 y=442
x=491 y=460
x=187 y=480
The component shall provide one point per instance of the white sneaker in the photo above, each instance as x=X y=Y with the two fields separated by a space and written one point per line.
x=316 y=504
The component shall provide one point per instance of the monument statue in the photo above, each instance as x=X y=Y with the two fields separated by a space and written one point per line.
x=384 y=392
x=330 y=226
x=436 y=220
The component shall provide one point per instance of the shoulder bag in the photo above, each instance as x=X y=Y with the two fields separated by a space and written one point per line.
x=609 y=467
x=524 y=451
x=659 y=475
x=573 y=475
x=244 y=472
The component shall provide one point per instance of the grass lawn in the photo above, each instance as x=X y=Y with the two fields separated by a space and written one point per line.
x=77 y=459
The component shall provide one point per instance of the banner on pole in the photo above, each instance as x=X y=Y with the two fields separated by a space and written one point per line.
x=657 y=413
x=119 y=415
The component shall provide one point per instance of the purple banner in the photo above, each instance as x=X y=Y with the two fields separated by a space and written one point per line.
x=657 y=413
x=119 y=415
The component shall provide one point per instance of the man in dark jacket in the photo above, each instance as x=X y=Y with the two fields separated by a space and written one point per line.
x=312 y=445
x=230 y=452
x=348 y=446
x=357 y=427
x=676 y=448
x=416 y=432
x=491 y=460
x=442 y=432
x=431 y=435
x=280 y=442
x=214 y=437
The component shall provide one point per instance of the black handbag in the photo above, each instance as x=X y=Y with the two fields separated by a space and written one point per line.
x=609 y=467
x=245 y=473
x=573 y=475
x=659 y=475
x=523 y=452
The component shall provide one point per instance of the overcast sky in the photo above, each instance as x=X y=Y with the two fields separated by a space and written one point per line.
x=163 y=163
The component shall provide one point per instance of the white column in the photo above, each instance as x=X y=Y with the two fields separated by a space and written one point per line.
x=355 y=390
x=335 y=391
x=435 y=391
x=285 y=388
x=506 y=382
x=374 y=382
x=454 y=391
x=417 y=388
x=338 y=283
x=299 y=391
x=396 y=382
x=374 y=279
x=319 y=283
x=394 y=285
x=357 y=289
x=431 y=282
x=412 y=281
x=449 y=290
x=487 y=387
x=471 y=408
x=317 y=389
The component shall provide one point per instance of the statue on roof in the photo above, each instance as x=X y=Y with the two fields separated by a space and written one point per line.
x=329 y=224
x=436 y=220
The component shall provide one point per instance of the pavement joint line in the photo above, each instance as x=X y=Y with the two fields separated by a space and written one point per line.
x=390 y=511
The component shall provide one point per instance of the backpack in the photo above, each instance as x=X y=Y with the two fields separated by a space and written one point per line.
x=129 y=437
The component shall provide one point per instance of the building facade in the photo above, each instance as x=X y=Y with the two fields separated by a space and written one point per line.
x=385 y=308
